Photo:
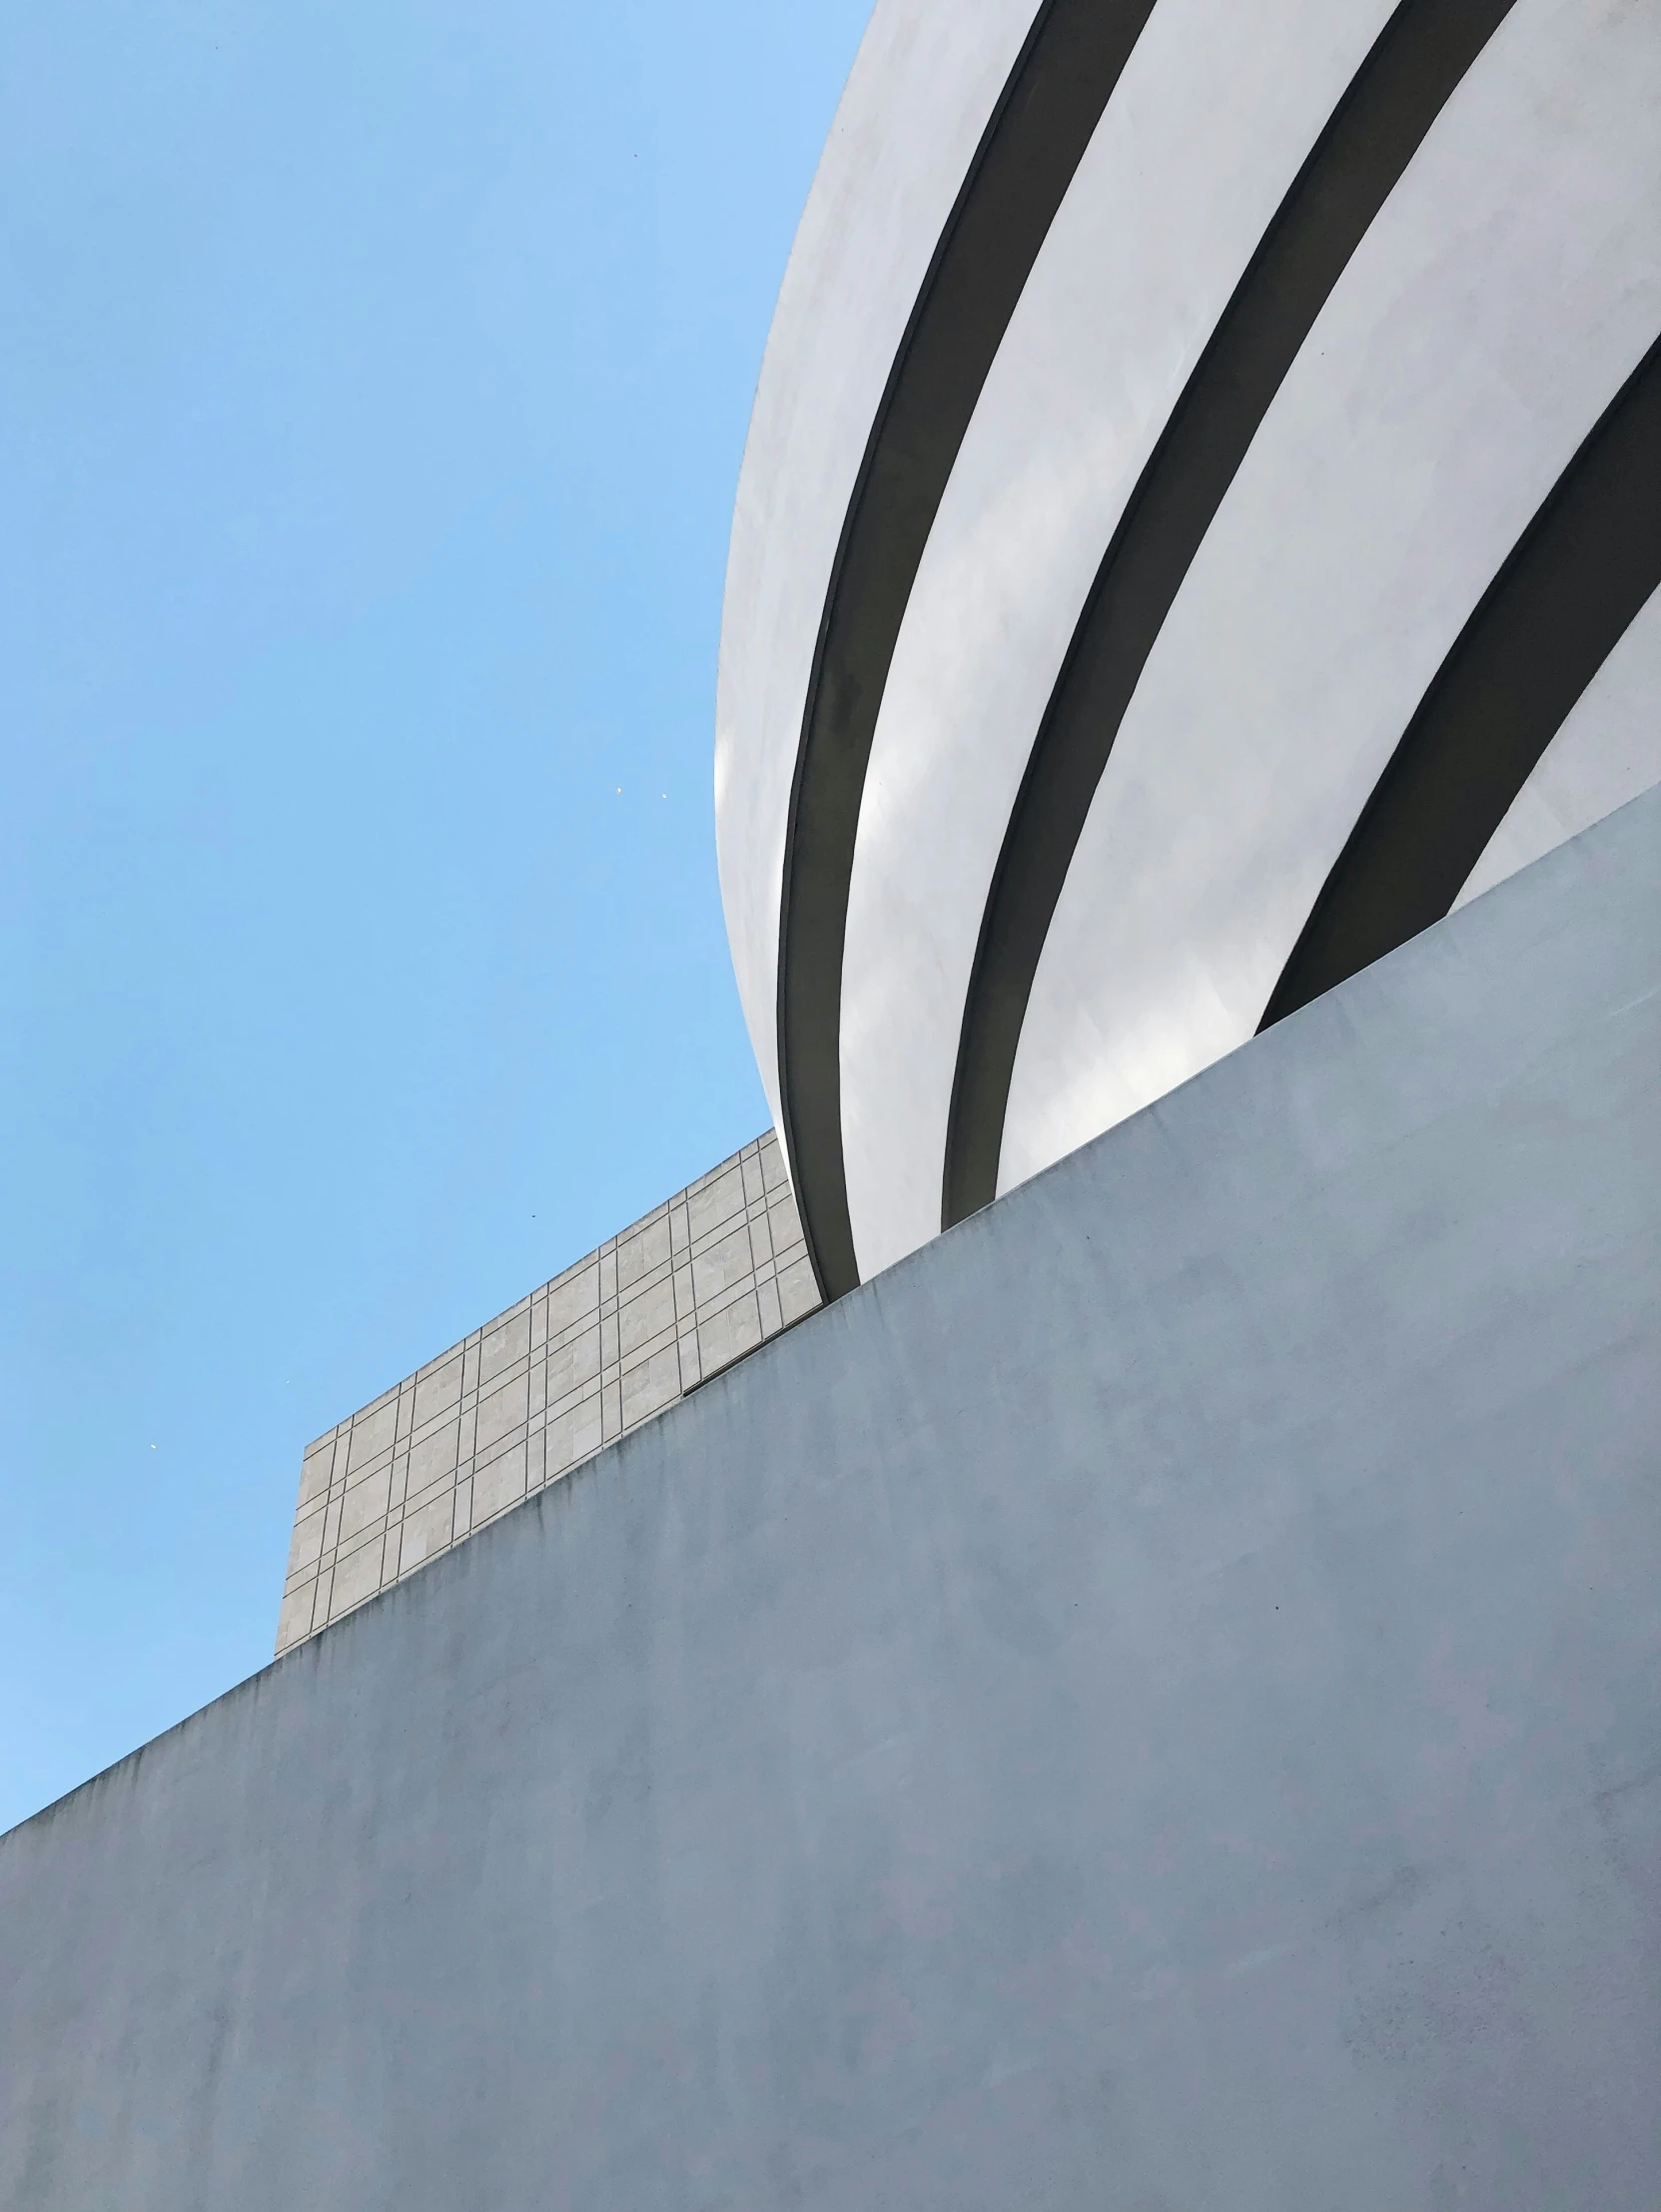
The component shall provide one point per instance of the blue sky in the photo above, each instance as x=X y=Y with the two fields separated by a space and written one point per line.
x=373 y=386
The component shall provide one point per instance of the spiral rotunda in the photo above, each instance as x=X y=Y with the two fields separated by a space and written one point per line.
x=1201 y=521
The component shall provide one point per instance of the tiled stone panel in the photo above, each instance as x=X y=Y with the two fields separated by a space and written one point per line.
x=714 y=1271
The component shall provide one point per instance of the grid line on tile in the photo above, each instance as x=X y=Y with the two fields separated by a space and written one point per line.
x=611 y=1341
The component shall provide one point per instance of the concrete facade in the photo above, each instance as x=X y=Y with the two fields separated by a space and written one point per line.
x=1187 y=424
x=703 y=1278
x=1152 y=1701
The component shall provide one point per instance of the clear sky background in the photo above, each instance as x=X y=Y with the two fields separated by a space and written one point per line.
x=374 y=381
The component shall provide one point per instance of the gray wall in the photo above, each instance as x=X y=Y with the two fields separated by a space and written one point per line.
x=1153 y=1702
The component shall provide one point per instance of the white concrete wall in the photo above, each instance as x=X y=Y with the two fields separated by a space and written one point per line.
x=1502 y=295
x=1498 y=303
x=1133 y=277
x=923 y=86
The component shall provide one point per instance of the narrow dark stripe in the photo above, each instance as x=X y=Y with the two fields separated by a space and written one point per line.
x=1566 y=596
x=1414 y=69
x=1026 y=160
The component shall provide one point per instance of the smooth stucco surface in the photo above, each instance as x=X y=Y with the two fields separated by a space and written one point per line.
x=1152 y=1703
x=1112 y=323
x=1036 y=752
x=923 y=86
